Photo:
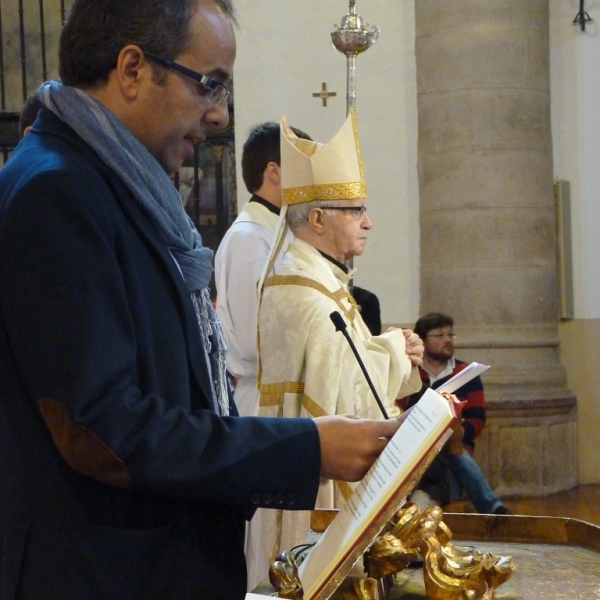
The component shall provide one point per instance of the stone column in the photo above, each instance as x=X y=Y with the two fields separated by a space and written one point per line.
x=488 y=226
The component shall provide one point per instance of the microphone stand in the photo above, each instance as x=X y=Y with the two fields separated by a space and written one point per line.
x=340 y=325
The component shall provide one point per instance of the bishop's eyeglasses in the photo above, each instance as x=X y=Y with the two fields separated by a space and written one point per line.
x=359 y=211
x=211 y=91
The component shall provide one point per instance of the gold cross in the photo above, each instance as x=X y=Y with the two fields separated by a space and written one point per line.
x=324 y=94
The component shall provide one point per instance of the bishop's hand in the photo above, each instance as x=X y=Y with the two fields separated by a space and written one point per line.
x=414 y=347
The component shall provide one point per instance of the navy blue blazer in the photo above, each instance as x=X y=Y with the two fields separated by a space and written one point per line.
x=117 y=479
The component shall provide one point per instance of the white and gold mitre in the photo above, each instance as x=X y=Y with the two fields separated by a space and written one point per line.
x=313 y=171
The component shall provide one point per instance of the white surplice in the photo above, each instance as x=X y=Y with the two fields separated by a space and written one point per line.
x=308 y=368
x=239 y=263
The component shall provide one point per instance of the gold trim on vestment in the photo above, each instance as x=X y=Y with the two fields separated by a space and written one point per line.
x=337 y=296
x=271 y=393
x=326 y=191
x=315 y=410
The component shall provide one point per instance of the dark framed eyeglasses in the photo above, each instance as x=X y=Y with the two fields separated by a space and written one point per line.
x=213 y=92
x=441 y=336
x=358 y=210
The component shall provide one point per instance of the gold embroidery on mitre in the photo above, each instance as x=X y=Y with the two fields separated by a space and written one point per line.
x=314 y=171
x=328 y=191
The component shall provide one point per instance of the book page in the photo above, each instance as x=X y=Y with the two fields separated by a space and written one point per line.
x=464 y=376
x=423 y=427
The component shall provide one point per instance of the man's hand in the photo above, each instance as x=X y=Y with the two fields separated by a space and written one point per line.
x=349 y=446
x=414 y=347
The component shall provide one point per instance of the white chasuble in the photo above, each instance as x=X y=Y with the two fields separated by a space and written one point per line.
x=307 y=368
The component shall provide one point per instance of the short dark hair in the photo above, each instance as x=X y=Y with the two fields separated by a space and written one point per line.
x=97 y=30
x=432 y=321
x=261 y=148
x=29 y=112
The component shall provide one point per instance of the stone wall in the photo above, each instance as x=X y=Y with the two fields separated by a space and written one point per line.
x=488 y=225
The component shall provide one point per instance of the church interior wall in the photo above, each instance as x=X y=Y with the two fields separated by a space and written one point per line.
x=579 y=355
x=575 y=109
x=284 y=55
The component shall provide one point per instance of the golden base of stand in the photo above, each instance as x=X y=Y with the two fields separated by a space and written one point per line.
x=450 y=572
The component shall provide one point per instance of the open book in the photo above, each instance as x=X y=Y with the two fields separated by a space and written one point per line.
x=462 y=377
x=381 y=492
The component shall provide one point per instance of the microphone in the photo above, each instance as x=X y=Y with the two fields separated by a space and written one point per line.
x=340 y=325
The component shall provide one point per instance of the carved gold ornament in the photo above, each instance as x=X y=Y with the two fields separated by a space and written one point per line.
x=449 y=572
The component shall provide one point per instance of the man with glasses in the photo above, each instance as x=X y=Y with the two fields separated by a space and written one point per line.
x=437 y=332
x=306 y=367
x=455 y=468
x=125 y=472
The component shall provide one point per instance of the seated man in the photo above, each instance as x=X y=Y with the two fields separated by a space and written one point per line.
x=455 y=467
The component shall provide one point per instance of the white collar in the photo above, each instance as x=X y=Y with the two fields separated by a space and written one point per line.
x=450 y=364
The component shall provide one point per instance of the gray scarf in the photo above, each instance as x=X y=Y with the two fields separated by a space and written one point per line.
x=155 y=193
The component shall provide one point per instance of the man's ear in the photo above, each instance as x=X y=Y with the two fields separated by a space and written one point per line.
x=316 y=220
x=273 y=172
x=132 y=67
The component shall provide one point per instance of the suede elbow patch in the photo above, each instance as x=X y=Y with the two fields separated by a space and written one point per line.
x=84 y=451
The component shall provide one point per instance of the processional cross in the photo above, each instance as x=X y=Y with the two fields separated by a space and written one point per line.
x=324 y=94
x=581 y=18
x=351 y=39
